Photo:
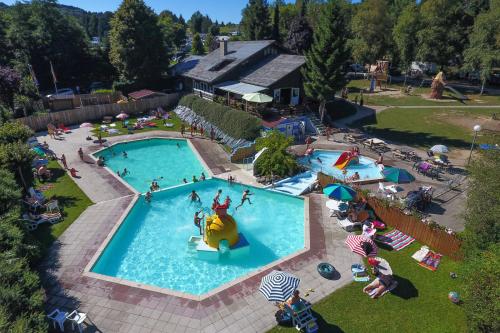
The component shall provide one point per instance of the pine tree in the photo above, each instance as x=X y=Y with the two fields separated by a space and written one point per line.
x=276 y=23
x=210 y=43
x=328 y=55
x=138 y=50
x=197 y=47
x=255 y=20
x=300 y=34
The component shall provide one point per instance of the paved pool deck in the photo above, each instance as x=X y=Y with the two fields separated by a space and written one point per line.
x=113 y=307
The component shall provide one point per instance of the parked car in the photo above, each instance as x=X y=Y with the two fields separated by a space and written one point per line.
x=63 y=92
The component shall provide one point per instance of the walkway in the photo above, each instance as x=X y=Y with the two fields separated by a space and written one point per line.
x=113 y=307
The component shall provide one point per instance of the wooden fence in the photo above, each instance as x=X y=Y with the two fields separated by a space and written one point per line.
x=96 y=112
x=436 y=239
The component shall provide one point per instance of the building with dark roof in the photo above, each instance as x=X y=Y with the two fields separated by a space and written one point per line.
x=241 y=67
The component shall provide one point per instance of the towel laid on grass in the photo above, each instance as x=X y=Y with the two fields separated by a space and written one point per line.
x=395 y=239
x=431 y=260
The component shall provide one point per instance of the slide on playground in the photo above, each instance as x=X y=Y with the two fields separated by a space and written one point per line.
x=457 y=93
x=343 y=160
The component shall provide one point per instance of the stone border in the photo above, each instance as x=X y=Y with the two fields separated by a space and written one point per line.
x=214 y=292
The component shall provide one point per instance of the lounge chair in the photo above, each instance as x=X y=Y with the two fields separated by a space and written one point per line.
x=33 y=204
x=302 y=319
x=32 y=224
x=347 y=225
x=64 y=128
x=52 y=206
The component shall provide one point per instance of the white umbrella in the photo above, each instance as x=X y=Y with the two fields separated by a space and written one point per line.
x=86 y=125
x=440 y=149
x=257 y=98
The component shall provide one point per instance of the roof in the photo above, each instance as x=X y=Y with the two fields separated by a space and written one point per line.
x=213 y=66
x=239 y=87
x=143 y=94
x=272 y=69
x=186 y=64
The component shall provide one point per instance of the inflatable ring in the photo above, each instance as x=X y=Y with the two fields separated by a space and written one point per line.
x=326 y=270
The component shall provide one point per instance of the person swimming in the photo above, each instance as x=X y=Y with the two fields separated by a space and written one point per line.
x=148 y=197
x=195 y=180
x=217 y=196
x=194 y=196
x=125 y=172
x=184 y=180
x=319 y=160
x=244 y=198
x=178 y=145
x=227 y=201
x=197 y=219
x=203 y=177
x=125 y=155
x=231 y=179
x=118 y=173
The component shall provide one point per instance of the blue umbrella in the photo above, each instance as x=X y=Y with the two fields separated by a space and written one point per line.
x=340 y=192
x=278 y=286
x=397 y=175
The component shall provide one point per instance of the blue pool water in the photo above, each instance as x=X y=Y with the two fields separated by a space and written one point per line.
x=166 y=160
x=151 y=245
x=366 y=167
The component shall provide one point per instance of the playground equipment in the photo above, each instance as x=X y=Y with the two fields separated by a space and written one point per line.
x=438 y=85
x=347 y=158
x=379 y=74
x=220 y=237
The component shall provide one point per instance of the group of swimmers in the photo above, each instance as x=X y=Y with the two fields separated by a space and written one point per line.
x=194 y=179
x=123 y=173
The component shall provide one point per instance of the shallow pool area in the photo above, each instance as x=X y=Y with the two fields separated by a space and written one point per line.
x=166 y=161
x=151 y=245
x=366 y=167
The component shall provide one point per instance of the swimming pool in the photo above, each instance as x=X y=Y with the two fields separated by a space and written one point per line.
x=366 y=167
x=151 y=245
x=167 y=161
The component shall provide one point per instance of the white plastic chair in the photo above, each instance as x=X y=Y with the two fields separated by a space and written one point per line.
x=77 y=318
x=58 y=317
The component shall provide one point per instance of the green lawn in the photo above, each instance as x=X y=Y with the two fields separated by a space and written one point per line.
x=71 y=199
x=427 y=127
x=418 y=304
x=174 y=119
x=415 y=99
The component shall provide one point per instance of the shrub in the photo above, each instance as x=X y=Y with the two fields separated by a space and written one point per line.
x=339 y=108
x=18 y=157
x=14 y=131
x=275 y=160
x=102 y=91
x=235 y=123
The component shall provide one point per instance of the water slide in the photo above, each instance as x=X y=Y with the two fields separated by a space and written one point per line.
x=343 y=160
x=295 y=185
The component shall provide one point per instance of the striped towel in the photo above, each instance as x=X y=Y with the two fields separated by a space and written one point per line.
x=395 y=239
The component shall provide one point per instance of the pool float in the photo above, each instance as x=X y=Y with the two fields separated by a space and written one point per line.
x=326 y=270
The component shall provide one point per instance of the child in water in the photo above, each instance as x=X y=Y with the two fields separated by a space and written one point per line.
x=194 y=196
x=244 y=198
x=148 y=197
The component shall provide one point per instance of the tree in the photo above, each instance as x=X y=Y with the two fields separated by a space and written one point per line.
x=484 y=43
x=442 y=37
x=10 y=193
x=138 y=50
x=4 y=55
x=215 y=29
x=276 y=23
x=195 y=22
x=197 y=47
x=10 y=81
x=18 y=157
x=210 y=43
x=404 y=34
x=275 y=160
x=371 y=28
x=329 y=52
x=300 y=33
x=481 y=247
x=39 y=32
x=173 y=30
x=14 y=131
x=255 y=20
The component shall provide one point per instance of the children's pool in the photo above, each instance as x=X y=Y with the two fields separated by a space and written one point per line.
x=167 y=161
x=151 y=245
x=366 y=167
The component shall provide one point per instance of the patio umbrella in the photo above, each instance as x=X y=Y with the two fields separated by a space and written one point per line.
x=257 y=98
x=355 y=243
x=86 y=125
x=397 y=175
x=278 y=286
x=122 y=116
x=339 y=192
x=440 y=149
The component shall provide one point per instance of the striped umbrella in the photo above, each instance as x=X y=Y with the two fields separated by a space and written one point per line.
x=278 y=286
x=340 y=192
x=355 y=244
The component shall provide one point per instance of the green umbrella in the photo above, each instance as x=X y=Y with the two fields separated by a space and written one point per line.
x=397 y=175
x=257 y=98
x=340 y=192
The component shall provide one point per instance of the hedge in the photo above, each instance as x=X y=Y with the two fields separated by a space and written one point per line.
x=340 y=108
x=235 y=123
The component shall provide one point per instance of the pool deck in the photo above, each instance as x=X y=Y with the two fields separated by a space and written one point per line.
x=113 y=307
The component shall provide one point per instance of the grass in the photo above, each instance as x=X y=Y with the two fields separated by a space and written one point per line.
x=71 y=199
x=418 y=304
x=425 y=127
x=415 y=99
x=174 y=119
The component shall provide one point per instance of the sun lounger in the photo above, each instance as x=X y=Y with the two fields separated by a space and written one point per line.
x=396 y=240
x=64 y=128
x=347 y=225
x=32 y=224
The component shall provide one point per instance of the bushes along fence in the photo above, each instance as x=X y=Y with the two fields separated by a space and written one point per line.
x=235 y=123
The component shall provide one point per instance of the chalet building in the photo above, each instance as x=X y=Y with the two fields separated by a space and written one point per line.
x=242 y=67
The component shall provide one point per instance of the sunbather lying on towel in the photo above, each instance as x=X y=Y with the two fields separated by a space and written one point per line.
x=379 y=286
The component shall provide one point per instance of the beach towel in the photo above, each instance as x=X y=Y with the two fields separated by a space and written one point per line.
x=431 y=260
x=395 y=239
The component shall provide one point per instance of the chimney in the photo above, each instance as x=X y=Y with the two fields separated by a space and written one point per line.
x=223 y=48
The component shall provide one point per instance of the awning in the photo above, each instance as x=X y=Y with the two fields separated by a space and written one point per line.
x=239 y=88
